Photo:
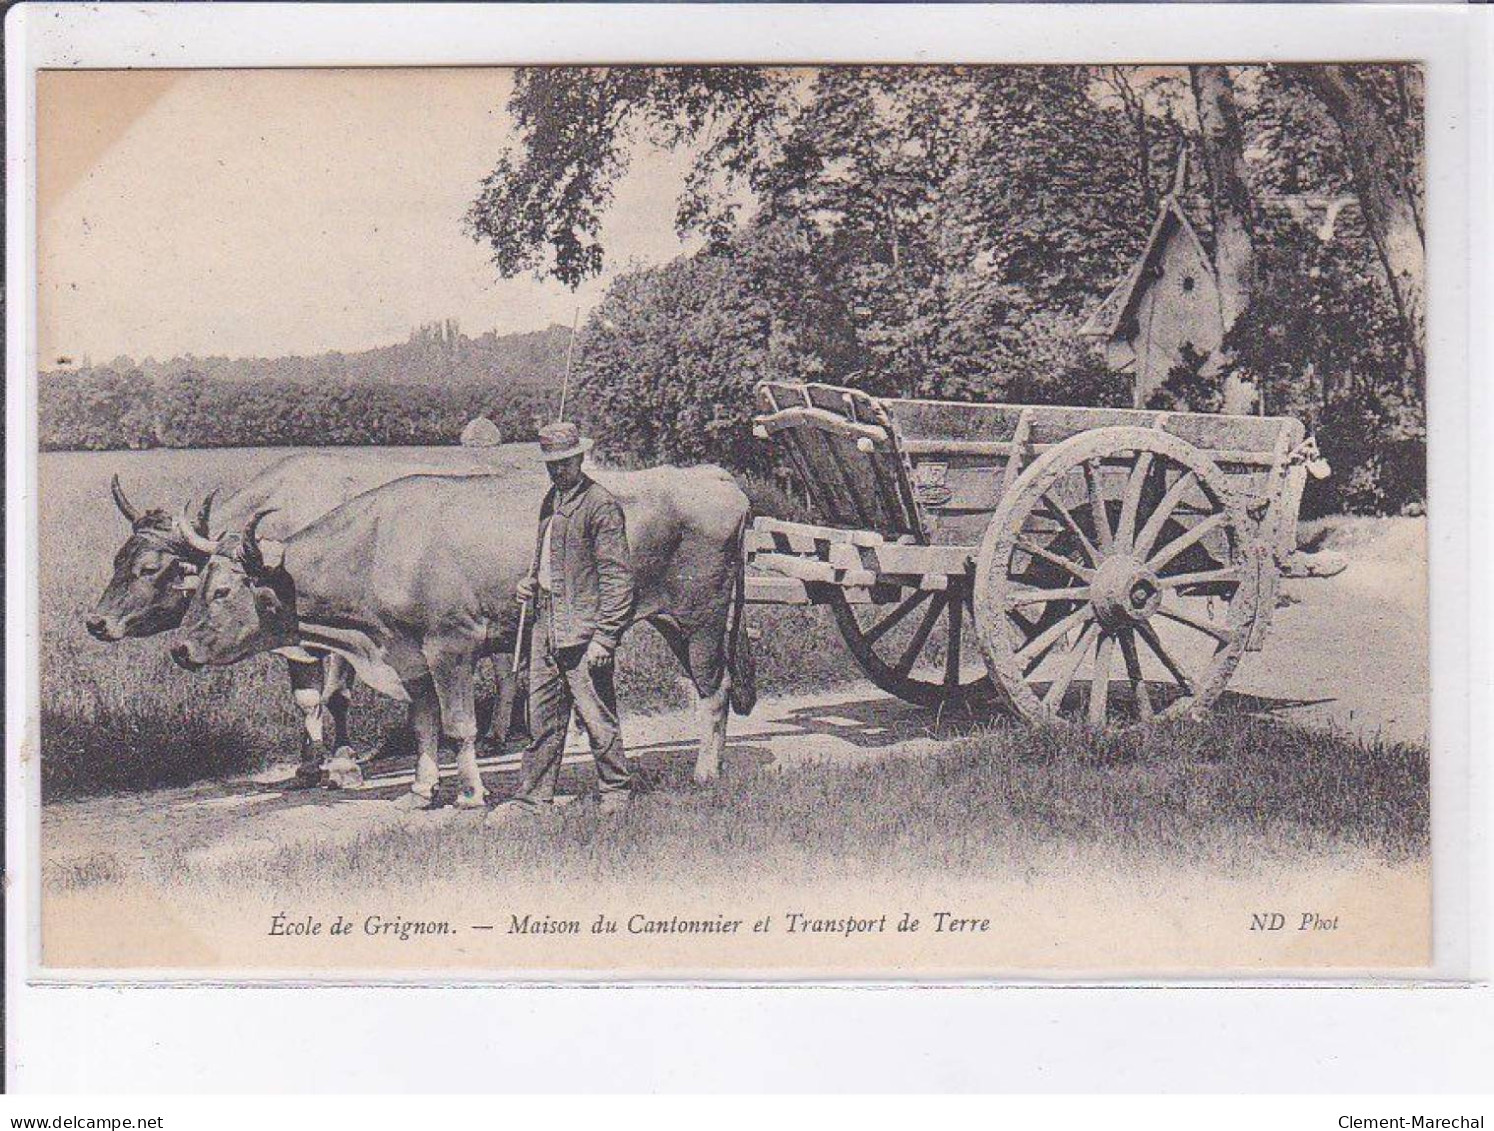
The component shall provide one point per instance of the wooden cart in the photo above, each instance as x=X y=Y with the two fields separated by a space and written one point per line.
x=1114 y=564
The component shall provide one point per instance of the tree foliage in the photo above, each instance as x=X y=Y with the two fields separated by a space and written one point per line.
x=942 y=232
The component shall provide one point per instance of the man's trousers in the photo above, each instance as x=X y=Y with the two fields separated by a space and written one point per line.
x=560 y=679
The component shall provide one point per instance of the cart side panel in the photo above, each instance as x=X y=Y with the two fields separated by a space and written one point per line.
x=949 y=422
x=968 y=446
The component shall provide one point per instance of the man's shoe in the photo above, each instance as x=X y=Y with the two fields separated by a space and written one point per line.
x=413 y=802
x=614 y=802
x=519 y=813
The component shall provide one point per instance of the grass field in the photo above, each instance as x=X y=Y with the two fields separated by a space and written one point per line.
x=123 y=716
x=1230 y=795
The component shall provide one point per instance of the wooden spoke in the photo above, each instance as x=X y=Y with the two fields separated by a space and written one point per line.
x=1149 y=634
x=1038 y=646
x=1026 y=627
x=1022 y=597
x=1226 y=576
x=910 y=655
x=1028 y=546
x=1183 y=541
x=894 y=618
x=1063 y=516
x=1062 y=679
x=1097 y=513
x=952 y=650
x=1134 y=673
x=1223 y=635
x=1099 y=686
x=1131 y=502
x=1169 y=503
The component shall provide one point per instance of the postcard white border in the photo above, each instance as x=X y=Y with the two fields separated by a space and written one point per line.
x=792 y=1035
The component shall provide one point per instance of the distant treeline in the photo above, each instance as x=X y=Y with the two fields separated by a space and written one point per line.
x=420 y=392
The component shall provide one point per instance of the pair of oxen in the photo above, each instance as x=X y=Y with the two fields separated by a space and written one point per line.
x=403 y=574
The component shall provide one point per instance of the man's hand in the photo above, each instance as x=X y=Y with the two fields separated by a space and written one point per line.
x=598 y=655
x=526 y=588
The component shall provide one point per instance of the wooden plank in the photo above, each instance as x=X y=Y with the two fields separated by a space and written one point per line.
x=843 y=555
x=817 y=533
x=918 y=560
x=790 y=542
x=775 y=591
x=821 y=419
x=1003 y=449
x=810 y=569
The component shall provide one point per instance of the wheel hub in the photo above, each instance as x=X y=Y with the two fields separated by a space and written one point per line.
x=1124 y=592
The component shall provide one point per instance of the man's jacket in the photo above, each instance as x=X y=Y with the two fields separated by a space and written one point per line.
x=591 y=578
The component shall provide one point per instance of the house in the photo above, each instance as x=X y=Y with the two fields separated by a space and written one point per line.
x=1169 y=299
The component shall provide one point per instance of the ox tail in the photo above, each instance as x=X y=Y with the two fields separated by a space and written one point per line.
x=739 y=661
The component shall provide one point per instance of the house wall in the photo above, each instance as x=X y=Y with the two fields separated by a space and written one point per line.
x=1180 y=304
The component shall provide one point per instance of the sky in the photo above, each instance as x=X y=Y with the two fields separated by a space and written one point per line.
x=265 y=213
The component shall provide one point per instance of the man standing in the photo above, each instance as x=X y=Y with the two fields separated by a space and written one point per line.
x=581 y=590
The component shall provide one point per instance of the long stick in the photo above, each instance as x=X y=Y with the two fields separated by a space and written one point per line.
x=565 y=382
x=519 y=638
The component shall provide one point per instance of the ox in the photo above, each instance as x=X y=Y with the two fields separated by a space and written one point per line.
x=156 y=568
x=413 y=581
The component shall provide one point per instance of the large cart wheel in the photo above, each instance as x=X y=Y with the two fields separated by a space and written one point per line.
x=1117 y=581
x=919 y=647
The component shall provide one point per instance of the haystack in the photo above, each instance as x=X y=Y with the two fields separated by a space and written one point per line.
x=481 y=432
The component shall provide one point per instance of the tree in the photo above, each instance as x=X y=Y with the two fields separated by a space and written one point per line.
x=1386 y=179
x=540 y=208
x=669 y=358
x=1229 y=190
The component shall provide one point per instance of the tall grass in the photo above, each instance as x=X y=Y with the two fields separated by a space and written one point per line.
x=1232 y=793
x=122 y=716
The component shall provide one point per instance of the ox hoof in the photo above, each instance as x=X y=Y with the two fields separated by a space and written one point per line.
x=703 y=777
x=470 y=798
x=413 y=802
x=343 y=771
x=308 y=775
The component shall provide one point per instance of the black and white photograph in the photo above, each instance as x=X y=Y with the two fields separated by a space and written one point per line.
x=917 y=521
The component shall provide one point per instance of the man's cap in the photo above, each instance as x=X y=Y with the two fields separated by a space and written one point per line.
x=561 y=440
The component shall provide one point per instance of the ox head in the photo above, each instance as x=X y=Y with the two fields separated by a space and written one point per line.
x=153 y=572
x=245 y=602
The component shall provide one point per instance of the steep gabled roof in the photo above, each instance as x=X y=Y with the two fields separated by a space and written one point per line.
x=1112 y=314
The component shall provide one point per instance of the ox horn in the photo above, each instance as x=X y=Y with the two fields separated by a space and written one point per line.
x=199 y=541
x=131 y=514
x=254 y=555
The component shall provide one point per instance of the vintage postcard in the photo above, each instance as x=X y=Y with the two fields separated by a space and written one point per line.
x=733 y=521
